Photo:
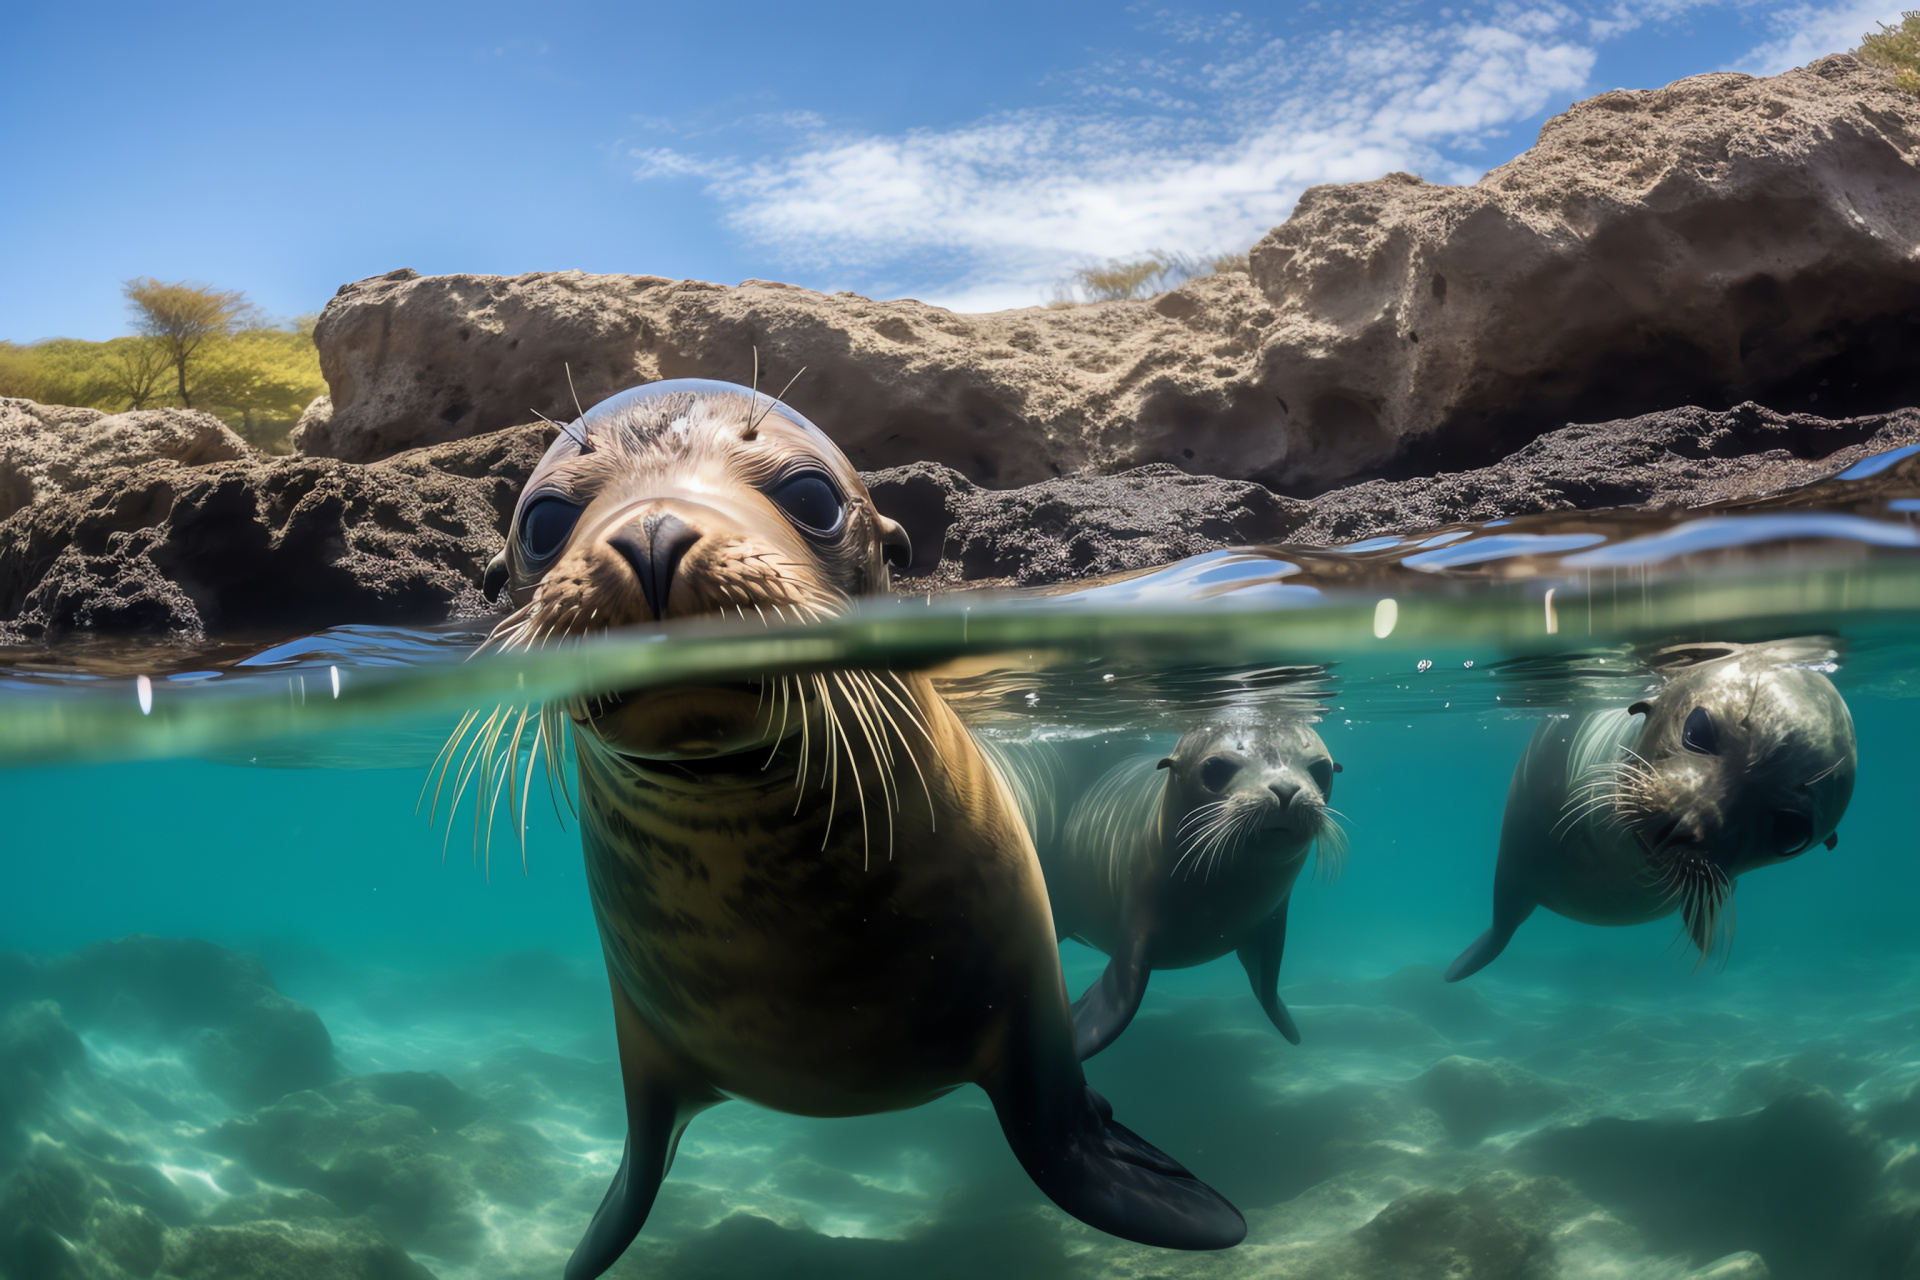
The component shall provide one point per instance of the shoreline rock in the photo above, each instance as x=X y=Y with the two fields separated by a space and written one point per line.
x=267 y=548
x=1719 y=240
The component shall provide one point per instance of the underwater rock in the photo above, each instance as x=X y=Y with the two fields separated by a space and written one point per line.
x=262 y=545
x=1497 y=1228
x=408 y=1153
x=1722 y=239
x=37 y=1050
x=1791 y=1182
x=49 y=449
x=278 y=1250
x=245 y=1040
x=1474 y=1098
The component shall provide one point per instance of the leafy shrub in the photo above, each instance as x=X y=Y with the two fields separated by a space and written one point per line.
x=1897 y=49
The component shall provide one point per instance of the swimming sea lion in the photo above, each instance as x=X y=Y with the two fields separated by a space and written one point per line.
x=813 y=891
x=1744 y=759
x=1169 y=862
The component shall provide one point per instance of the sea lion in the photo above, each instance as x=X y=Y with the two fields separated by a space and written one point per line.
x=813 y=891
x=1745 y=758
x=1168 y=862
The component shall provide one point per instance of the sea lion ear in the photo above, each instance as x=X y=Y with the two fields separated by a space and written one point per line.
x=1166 y=763
x=1833 y=838
x=1338 y=767
x=1640 y=708
x=495 y=577
x=896 y=547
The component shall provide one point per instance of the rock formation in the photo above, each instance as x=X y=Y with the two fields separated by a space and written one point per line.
x=1722 y=239
x=49 y=449
x=262 y=546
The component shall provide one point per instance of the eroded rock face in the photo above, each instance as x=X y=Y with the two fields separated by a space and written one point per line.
x=51 y=449
x=1722 y=239
x=263 y=545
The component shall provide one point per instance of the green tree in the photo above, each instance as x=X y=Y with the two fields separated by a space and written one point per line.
x=1897 y=49
x=184 y=317
x=134 y=369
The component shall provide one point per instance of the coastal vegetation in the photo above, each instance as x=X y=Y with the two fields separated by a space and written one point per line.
x=193 y=347
x=1122 y=278
x=1897 y=49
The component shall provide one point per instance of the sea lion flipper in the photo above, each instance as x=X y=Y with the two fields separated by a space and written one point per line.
x=658 y=1109
x=1104 y=1009
x=1101 y=1172
x=1511 y=907
x=1260 y=955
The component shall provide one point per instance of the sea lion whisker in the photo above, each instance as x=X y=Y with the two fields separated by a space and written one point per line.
x=1330 y=849
x=468 y=764
x=874 y=686
x=876 y=745
x=437 y=771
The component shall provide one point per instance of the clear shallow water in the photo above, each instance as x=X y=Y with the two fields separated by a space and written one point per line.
x=1591 y=1105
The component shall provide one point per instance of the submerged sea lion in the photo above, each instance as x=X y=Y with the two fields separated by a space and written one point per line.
x=1744 y=759
x=1169 y=862
x=813 y=891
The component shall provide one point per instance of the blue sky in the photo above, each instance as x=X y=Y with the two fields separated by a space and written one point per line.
x=970 y=155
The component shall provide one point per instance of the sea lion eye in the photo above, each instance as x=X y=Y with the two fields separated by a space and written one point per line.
x=1699 y=734
x=1792 y=830
x=546 y=525
x=813 y=502
x=1216 y=772
x=1322 y=773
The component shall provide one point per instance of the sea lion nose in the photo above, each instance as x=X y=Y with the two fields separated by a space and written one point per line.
x=1284 y=791
x=654 y=545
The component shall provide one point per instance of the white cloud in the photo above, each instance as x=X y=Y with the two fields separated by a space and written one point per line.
x=1813 y=31
x=1183 y=154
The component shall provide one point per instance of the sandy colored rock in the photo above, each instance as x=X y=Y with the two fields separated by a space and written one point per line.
x=49 y=449
x=1722 y=239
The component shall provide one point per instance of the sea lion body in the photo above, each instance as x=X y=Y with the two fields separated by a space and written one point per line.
x=813 y=890
x=796 y=966
x=1170 y=862
x=1620 y=816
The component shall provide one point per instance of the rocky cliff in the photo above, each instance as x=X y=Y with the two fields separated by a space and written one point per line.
x=1722 y=239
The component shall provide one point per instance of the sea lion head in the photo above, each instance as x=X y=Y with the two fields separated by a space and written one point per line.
x=1747 y=759
x=1254 y=783
x=685 y=499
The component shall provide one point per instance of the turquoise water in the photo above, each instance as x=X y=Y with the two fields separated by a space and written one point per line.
x=1593 y=1104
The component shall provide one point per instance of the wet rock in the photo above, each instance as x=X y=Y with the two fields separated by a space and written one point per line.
x=51 y=449
x=1724 y=238
x=262 y=545
x=1082 y=525
x=277 y=1250
x=1059 y=530
x=1791 y=1182
x=1474 y=1098
x=1688 y=457
x=243 y=1038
